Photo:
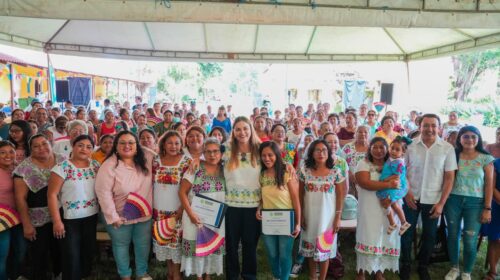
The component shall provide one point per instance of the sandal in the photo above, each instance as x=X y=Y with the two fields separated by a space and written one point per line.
x=391 y=228
x=404 y=228
x=490 y=276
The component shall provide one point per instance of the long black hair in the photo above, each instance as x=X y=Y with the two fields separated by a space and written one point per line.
x=279 y=166
x=83 y=137
x=139 y=157
x=310 y=162
x=479 y=147
x=372 y=142
x=27 y=133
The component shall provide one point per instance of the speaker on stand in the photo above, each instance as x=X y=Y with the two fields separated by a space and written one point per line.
x=386 y=91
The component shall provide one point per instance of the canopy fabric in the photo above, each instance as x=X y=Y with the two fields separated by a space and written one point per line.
x=274 y=30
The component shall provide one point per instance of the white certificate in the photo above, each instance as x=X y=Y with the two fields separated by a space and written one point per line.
x=278 y=222
x=210 y=211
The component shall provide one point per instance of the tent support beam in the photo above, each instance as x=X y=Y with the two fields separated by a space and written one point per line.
x=57 y=32
x=256 y=39
x=205 y=37
x=311 y=39
x=394 y=41
x=146 y=28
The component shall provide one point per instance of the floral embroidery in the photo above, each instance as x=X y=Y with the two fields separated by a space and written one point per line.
x=169 y=175
x=76 y=205
x=204 y=183
x=243 y=196
x=376 y=250
x=39 y=216
x=34 y=177
x=75 y=173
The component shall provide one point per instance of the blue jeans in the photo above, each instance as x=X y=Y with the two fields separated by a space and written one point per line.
x=469 y=209
x=429 y=230
x=4 y=252
x=122 y=237
x=18 y=247
x=279 y=252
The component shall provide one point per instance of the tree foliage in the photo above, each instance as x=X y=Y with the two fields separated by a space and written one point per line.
x=468 y=69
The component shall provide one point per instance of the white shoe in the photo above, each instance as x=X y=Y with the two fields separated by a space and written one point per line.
x=453 y=274
x=466 y=276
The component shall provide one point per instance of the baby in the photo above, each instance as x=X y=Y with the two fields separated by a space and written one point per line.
x=395 y=165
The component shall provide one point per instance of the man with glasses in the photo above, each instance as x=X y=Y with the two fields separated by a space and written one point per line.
x=431 y=169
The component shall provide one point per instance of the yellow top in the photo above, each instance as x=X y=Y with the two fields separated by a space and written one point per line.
x=274 y=197
x=382 y=134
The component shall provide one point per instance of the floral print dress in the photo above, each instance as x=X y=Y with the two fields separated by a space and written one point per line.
x=319 y=211
x=166 y=182
x=213 y=187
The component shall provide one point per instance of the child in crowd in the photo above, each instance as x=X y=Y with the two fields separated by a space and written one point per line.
x=395 y=165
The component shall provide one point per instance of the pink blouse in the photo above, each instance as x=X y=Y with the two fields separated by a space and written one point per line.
x=115 y=182
x=7 y=189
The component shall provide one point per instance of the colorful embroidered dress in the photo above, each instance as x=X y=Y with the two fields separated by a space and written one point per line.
x=288 y=155
x=351 y=156
x=375 y=250
x=319 y=211
x=77 y=196
x=213 y=187
x=166 y=181
x=394 y=167
x=37 y=181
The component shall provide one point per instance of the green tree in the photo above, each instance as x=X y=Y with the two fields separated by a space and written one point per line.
x=206 y=71
x=468 y=69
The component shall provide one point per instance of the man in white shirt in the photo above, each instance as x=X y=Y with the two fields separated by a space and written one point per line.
x=431 y=165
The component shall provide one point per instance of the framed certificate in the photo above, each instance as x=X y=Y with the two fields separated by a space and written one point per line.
x=210 y=211
x=278 y=221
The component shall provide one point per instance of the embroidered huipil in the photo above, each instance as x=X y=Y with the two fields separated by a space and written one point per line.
x=77 y=196
x=319 y=211
x=166 y=183
x=37 y=181
x=242 y=183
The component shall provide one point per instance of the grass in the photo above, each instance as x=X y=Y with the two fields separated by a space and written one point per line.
x=105 y=269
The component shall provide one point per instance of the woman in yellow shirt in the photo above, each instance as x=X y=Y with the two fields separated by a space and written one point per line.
x=387 y=132
x=279 y=190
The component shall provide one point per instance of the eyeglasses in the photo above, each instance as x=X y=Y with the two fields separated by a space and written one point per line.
x=212 y=152
x=371 y=115
x=469 y=137
x=320 y=151
x=129 y=143
x=15 y=131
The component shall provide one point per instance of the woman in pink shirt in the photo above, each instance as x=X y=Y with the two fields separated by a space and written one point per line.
x=127 y=171
x=11 y=236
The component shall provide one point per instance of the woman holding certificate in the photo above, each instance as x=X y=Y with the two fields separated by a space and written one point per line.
x=242 y=172
x=321 y=190
x=207 y=180
x=279 y=192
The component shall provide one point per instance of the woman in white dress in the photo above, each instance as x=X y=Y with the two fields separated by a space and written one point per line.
x=376 y=251
x=322 y=195
x=168 y=168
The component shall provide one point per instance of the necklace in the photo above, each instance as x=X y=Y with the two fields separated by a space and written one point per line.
x=243 y=157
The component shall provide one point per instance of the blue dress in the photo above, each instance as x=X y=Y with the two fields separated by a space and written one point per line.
x=226 y=124
x=492 y=230
x=394 y=167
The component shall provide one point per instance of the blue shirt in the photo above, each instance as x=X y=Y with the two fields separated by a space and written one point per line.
x=226 y=124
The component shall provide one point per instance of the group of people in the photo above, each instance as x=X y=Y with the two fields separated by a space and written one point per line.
x=60 y=174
